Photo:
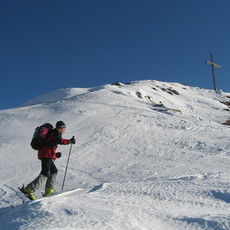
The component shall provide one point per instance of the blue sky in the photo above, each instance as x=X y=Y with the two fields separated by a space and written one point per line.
x=51 y=44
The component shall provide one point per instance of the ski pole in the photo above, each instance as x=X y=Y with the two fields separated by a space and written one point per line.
x=67 y=165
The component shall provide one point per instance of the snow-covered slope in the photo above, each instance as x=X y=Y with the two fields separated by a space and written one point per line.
x=149 y=155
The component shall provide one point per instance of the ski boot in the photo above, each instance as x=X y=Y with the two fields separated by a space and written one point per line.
x=29 y=192
x=49 y=191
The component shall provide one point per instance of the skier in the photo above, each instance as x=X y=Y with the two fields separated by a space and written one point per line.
x=47 y=155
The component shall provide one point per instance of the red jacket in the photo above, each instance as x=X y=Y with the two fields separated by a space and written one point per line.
x=54 y=138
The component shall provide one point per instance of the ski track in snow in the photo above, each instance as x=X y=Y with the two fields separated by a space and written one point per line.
x=134 y=166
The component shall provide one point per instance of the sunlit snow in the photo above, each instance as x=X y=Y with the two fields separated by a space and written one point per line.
x=149 y=155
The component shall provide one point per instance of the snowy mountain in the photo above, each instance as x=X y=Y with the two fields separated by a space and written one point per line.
x=149 y=155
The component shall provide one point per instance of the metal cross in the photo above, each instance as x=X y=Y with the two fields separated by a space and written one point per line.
x=213 y=70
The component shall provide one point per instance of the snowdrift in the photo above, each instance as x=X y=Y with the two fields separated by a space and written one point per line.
x=149 y=155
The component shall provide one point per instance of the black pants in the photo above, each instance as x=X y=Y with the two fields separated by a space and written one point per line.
x=48 y=167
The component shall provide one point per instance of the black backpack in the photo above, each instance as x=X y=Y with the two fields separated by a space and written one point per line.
x=39 y=136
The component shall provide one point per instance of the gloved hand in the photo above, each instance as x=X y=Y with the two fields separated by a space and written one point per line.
x=72 y=140
x=58 y=154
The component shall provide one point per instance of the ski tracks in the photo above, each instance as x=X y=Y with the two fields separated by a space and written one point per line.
x=189 y=202
x=183 y=202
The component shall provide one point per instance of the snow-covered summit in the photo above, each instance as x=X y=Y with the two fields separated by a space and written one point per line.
x=154 y=155
x=168 y=96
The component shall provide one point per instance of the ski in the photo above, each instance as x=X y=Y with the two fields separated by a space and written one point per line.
x=79 y=191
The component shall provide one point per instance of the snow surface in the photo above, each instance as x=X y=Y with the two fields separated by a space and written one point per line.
x=149 y=155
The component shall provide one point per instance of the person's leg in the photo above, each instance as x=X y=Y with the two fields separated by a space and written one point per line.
x=51 y=180
x=38 y=181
